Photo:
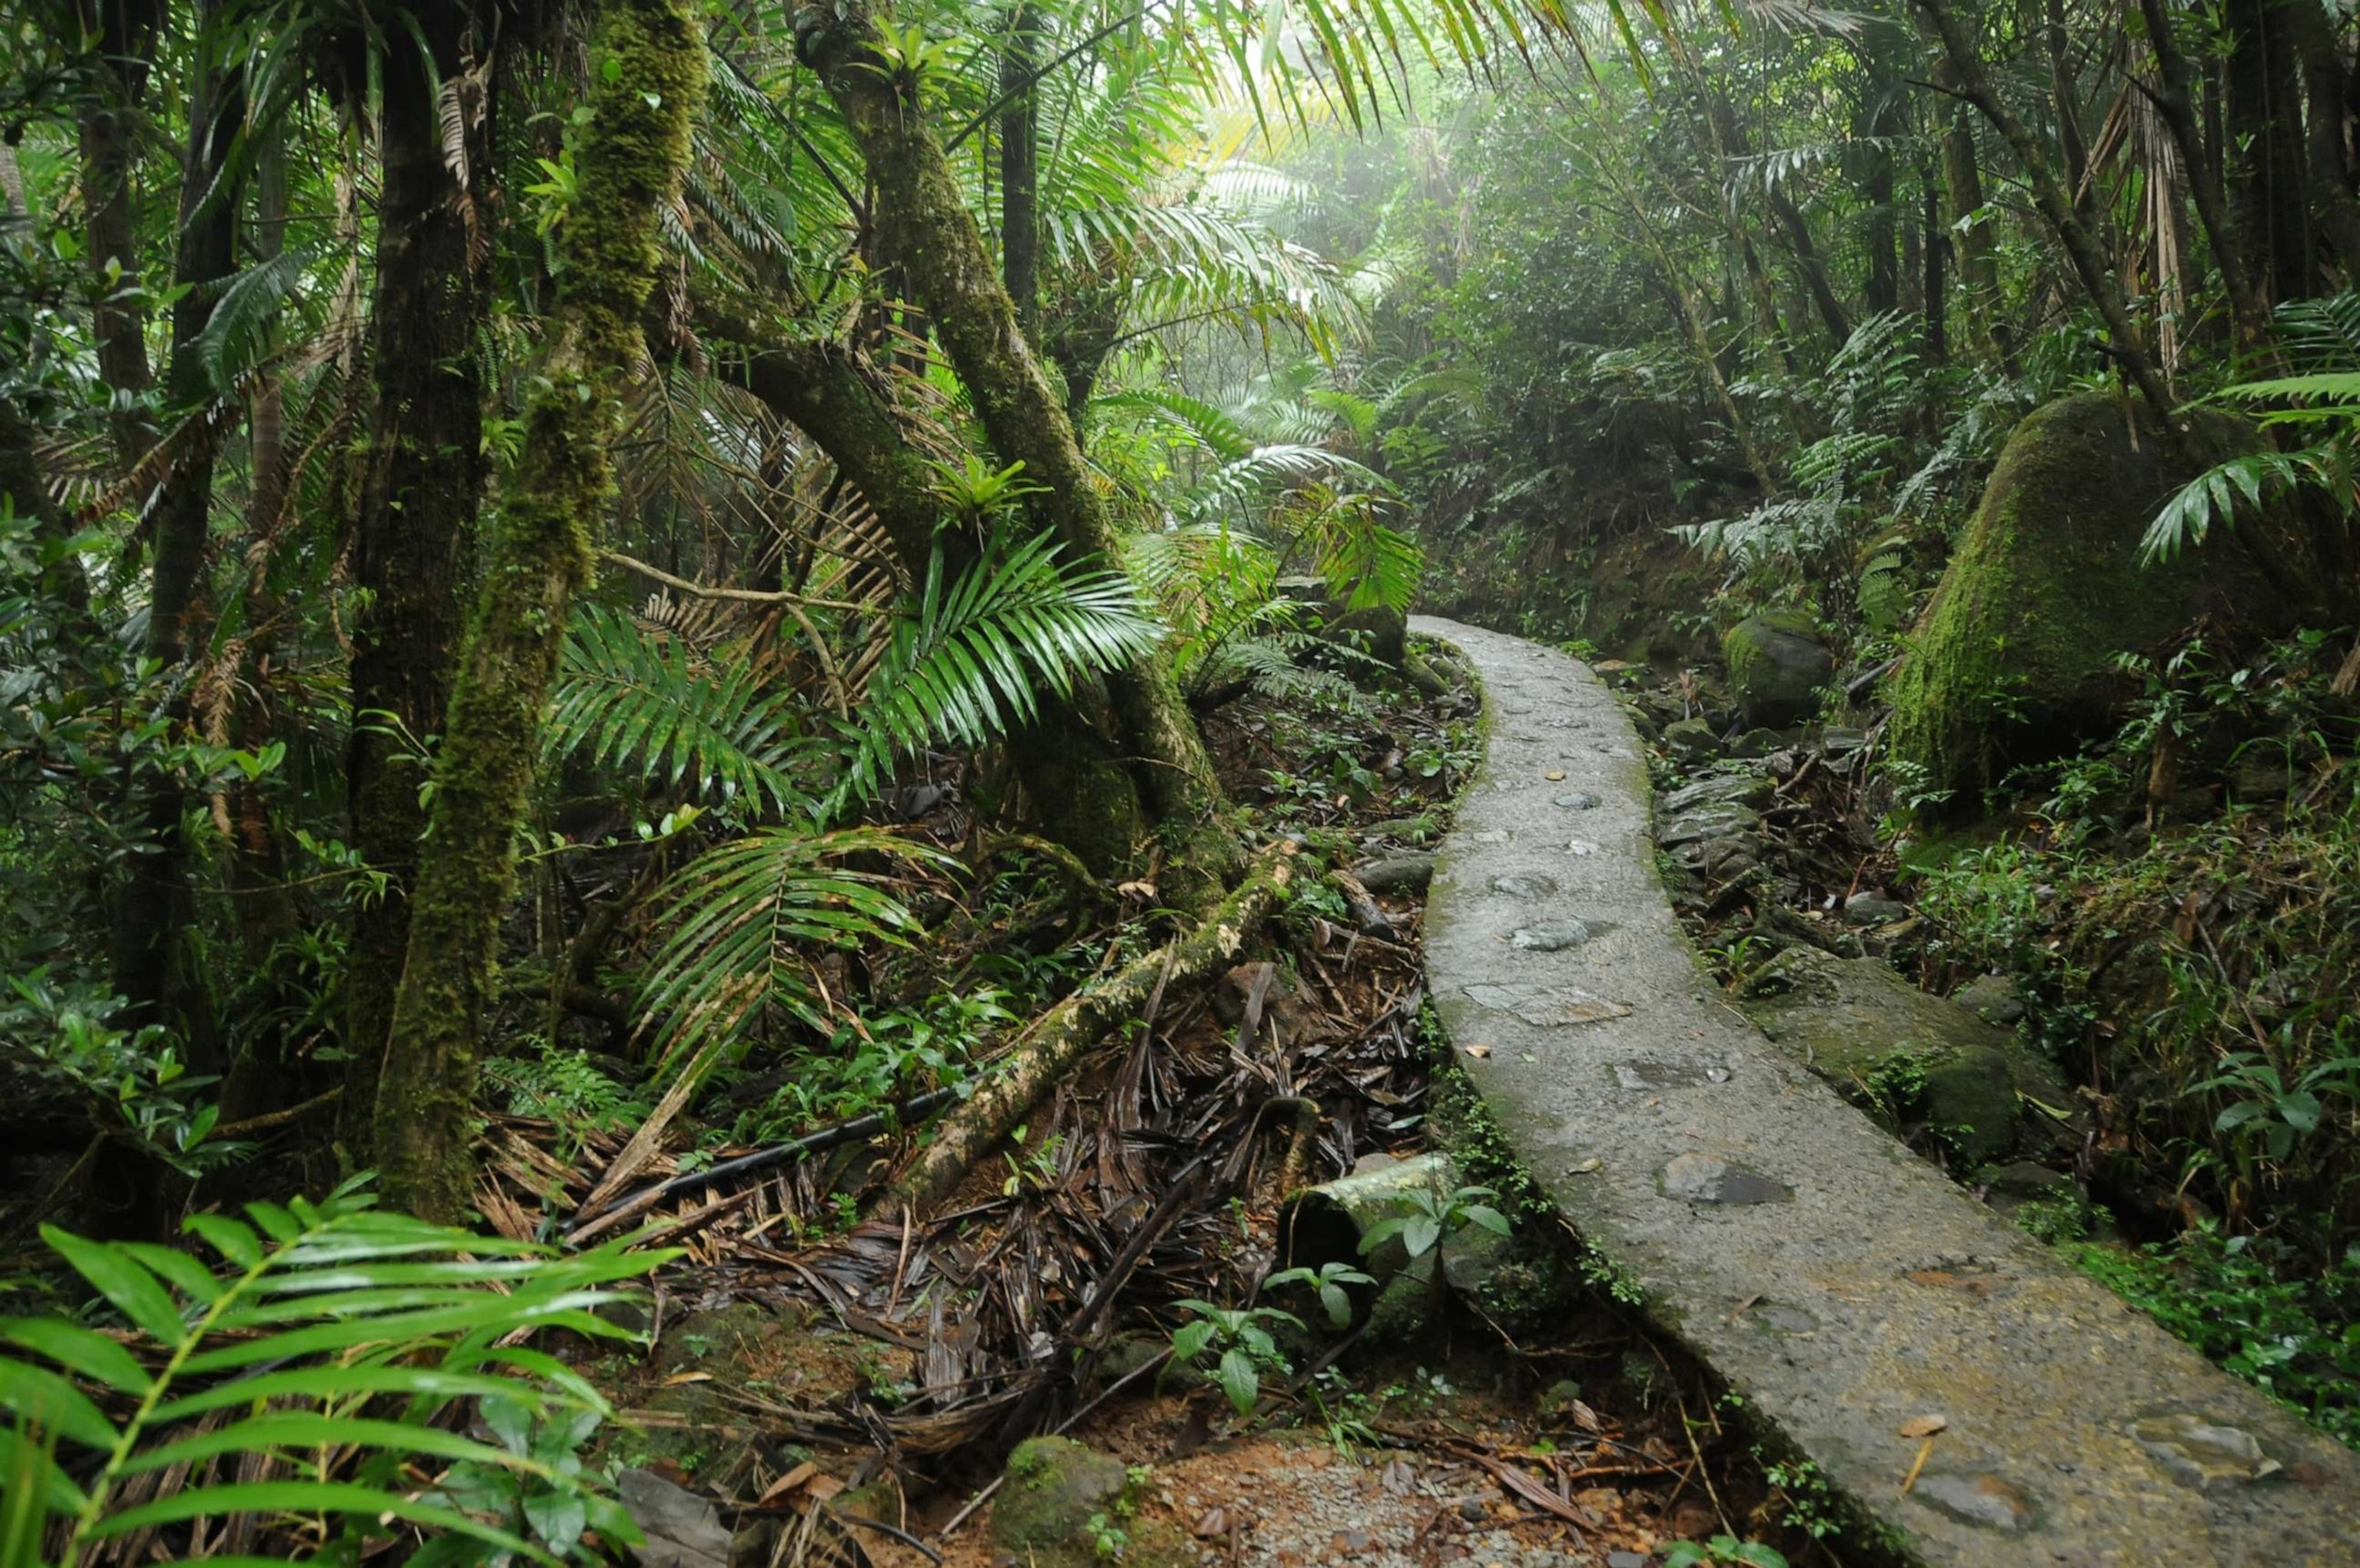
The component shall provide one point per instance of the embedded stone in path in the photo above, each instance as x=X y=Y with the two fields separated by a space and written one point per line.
x=1843 y=1286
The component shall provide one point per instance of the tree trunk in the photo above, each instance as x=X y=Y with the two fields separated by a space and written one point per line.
x=420 y=496
x=1963 y=185
x=632 y=155
x=2265 y=106
x=2329 y=85
x=935 y=240
x=1937 y=252
x=2175 y=101
x=2064 y=102
x=1882 y=289
x=2055 y=204
x=1020 y=170
x=153 y=905
x=123 y=36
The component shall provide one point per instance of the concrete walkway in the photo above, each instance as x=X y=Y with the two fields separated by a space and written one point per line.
x=1844 y=1287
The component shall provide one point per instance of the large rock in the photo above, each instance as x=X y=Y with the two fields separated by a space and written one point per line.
x=2015 y=659
x=1862 y=1028
x=1776 y=667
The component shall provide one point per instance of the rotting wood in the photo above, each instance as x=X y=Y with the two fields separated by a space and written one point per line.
x=1062 y=1034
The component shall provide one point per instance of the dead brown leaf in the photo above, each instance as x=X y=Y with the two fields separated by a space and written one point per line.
x=1924 y=1426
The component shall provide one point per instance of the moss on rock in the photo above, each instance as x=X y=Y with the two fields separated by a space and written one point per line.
x=2016 y=658
x=1776 y=667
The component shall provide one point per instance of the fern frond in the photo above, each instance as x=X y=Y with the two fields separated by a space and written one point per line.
x=235 y=334
x=626 y=699
x=306 y=1382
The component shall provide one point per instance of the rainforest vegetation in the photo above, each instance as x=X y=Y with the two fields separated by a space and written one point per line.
x=592 y=592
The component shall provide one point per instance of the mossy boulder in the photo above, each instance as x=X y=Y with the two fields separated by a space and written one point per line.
x=1063 y=1504
x=1879 y=1039
x=2016 y=658
x=1778 y=666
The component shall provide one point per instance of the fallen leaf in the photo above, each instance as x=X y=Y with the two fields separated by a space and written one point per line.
x=1398 y=1478
x=1214 y=1523
x=1478 y=1049
x=1924 y=1426
x=1554 y=775
x=677 y=1378
x=789 y=1482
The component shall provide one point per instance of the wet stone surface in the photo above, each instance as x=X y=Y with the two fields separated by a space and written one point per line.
x=1551 y=939
x=1992 y=1502
x=1524 y=886
x=1644 y=1075
x=1546 y=1008
x=2202 y=1454
x=1842 y=1285
x=1706 y=1179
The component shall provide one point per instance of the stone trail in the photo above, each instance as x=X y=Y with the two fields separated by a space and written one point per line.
x=1845 y=1289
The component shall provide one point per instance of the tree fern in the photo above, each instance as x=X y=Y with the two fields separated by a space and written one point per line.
x=303 y=1392
x=631 y=701
x=967 y=660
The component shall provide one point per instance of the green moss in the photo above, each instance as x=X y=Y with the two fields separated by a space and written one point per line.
x=2016 y=657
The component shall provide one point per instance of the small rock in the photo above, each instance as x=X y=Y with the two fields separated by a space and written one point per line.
x=2261 y=776
x=1992 y=998
x=1625 y=1560
x=1776 y=667
x=1532 y=886
x=1690 y=740
x=1869 y=909
x=1755 y=744
x=1054 y=1486
x=1580 y=800
x=683 y=1531
x=1718 y=820
x=1397 y=874
x=1549 y=938
x=2022 y=1181
x=1750 y=790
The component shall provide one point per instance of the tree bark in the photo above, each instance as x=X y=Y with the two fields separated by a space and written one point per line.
x=2328 y=86
x=629 y=165
x=935 y=239
x=2055 y=204
x=123 y=35
x=1971 y=238
x=1020 y=170
x=1050 y=1048
x=153 y=905
x=420 y=497
x=2265 y=106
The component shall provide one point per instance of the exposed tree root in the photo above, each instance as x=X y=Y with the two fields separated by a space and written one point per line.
x=1057 y=1040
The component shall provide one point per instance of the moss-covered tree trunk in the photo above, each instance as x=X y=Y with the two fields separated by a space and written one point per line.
x=121 y=36
x=648 y=76
x=418 y=503
x=934 y=238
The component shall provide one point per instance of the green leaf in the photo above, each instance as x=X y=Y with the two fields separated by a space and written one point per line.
x=122 y=1280
x=83 y=1352
x=1339 y=1305
x=304 y=1497
x=226 y=1236
x=303 y=1428
x=1489 y=1218
x=558 y=1517
x=1419 y=1233
x=1189 y=1340
x=46 y=1402
x=1239 y=1379
x=1380 y=1232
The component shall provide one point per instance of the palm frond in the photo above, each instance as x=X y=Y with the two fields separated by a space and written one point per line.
x=741 y=919
x=967 y=662
x=306 y=1383
x=2214 y=498
x=626 y=699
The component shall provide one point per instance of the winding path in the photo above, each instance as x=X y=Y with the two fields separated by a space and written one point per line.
x=1845 y=1289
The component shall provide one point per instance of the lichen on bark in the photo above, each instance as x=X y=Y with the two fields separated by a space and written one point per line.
x=648 y=78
